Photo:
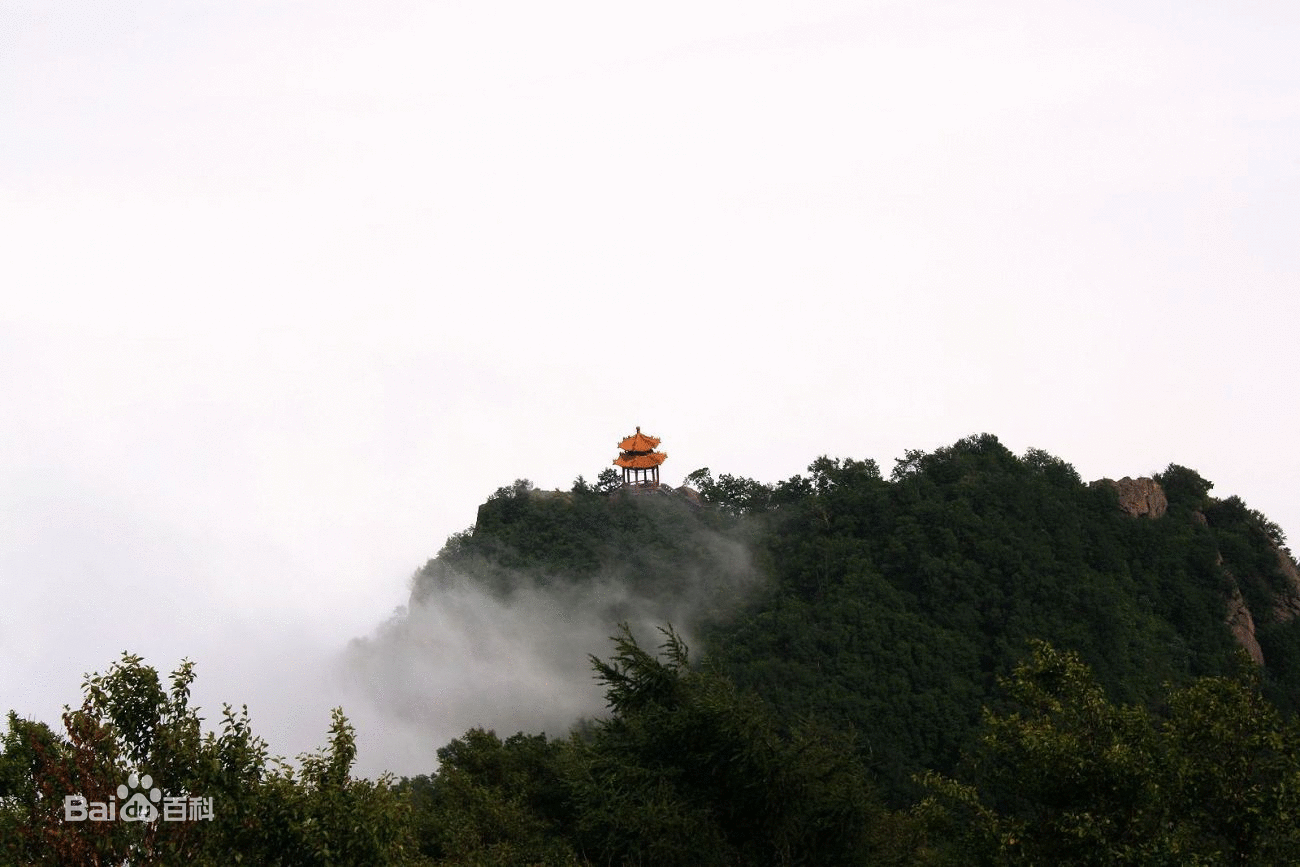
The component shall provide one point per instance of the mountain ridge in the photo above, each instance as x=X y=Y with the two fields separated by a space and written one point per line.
x=893 y=605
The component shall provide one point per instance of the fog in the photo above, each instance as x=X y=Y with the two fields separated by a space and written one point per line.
x=462 y=656
x=288 y=290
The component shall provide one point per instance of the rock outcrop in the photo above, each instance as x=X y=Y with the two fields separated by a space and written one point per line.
x=1141 y=497
x=1242 y=625
x=1287 y=606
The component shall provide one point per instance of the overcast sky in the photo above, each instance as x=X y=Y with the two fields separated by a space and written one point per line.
x=288 y=288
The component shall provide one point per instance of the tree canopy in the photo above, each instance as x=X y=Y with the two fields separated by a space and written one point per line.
x=978 y=659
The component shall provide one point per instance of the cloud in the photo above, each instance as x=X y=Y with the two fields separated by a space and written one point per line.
x=461 y=655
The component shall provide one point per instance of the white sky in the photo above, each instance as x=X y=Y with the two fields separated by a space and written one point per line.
x=288 y=288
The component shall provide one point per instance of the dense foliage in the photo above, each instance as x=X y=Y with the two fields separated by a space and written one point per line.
x=977 y=660
x=260 y=811
x=899 y=601
x=656 y=545
x=1066 y=776
x=893 y=604
x=686 y=770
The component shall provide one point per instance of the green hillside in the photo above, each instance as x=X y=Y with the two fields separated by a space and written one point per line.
x=980 y=659
x=892 y=605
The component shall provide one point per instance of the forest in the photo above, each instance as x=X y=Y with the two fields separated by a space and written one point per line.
x=977 y=659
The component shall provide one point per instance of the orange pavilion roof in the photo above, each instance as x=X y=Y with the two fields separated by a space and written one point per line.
x=638 y=442
x=640 y=462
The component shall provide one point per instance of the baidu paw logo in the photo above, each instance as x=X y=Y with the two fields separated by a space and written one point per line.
x=138 y=808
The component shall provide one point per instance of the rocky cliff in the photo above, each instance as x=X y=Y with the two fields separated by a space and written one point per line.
x=1144 y=498
x=1242 y=624
x=1284 y=605
x=1141 y=497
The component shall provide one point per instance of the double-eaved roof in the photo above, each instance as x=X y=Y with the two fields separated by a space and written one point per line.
x=638 y=452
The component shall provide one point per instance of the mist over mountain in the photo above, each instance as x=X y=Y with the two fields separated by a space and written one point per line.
x=976 y=656
x=979 y=658
x=500 y=625
x=890 y=605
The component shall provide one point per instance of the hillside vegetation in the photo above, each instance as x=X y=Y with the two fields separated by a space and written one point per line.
x=893 y=604
x=980 y=659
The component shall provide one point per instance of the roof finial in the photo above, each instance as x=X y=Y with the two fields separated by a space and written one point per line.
x=638 y=428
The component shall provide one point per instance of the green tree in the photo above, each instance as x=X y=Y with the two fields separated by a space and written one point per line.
x=687 y=770
x=1184 y=488
x=733 y=495
x=262 y=810
x=1067 y=777
x=698 y=478
x=608 y=480
x=493 y=802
